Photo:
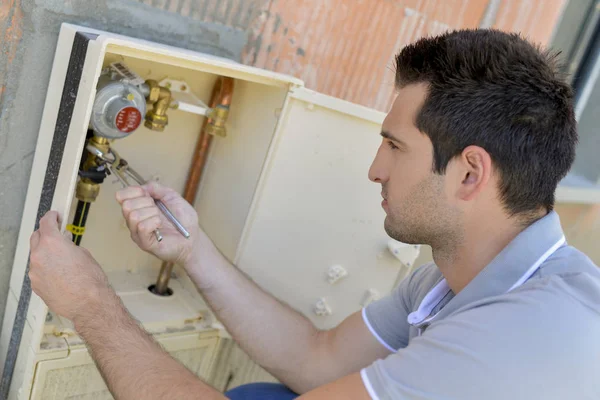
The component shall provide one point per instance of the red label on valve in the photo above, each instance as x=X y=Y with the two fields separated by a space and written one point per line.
x=128 y=119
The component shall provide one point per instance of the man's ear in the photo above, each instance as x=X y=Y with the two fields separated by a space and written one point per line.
x=475 y=166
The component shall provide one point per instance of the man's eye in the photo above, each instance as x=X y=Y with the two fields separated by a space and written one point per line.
x=392 y=145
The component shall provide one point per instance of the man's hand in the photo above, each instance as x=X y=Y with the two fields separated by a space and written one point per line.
x=73 y=285
x=64 y=275
x=143 y=217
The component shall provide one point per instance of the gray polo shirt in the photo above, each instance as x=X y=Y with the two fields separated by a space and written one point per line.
x=517 y=331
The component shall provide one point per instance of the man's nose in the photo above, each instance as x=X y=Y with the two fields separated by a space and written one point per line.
x=378 y=172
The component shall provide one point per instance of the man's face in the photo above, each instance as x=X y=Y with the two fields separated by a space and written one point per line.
x=415 y=199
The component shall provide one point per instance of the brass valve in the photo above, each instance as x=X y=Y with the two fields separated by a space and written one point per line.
x=160 y=97
x=87 y=190
x=216 y=121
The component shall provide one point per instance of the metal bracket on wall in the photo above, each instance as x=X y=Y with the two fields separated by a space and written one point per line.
x=183 y=97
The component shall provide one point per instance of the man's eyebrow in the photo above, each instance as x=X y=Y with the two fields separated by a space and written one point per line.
x=389 y=136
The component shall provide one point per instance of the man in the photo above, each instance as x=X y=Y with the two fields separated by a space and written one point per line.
x=480 y=134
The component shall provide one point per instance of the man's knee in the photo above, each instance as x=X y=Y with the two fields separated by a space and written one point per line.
x=262 y=391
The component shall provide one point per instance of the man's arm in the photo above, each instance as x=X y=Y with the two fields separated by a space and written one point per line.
x=132 y=364
x=73 y=285
x=277 y=337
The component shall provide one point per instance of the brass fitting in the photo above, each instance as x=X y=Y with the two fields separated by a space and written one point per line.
x=88 y=190
x=216 y=122
x=101 y=144
x=160 y=97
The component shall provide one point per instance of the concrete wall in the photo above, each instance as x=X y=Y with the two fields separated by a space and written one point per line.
x=340 y=47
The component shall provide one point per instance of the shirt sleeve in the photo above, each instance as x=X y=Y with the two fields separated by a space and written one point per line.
x=387 y=318
x=503 y=348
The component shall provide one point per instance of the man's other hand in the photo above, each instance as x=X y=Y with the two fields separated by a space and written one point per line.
x=64 y=275
x=143 y=217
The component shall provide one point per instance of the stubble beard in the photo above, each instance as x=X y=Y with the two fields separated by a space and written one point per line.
x=423 y=217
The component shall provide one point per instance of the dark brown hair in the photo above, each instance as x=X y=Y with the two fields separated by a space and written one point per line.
x=497 y=91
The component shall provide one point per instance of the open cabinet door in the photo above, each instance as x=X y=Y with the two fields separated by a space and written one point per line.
x=315 y=237
x=52 y=182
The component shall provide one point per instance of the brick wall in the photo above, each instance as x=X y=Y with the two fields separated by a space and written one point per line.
x=345 y=48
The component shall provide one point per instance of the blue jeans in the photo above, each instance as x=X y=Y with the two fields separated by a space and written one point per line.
x=262 y=391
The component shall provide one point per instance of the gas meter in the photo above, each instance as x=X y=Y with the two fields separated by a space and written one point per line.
x=118 y=110
x=120 y=102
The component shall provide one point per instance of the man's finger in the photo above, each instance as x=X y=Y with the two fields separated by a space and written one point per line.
x=34 y=240
x=148 y=226
x=141 y=214
x=68 y=235
x=156 y=190
x=130 y=192
x=130 y=205
x=49 y=224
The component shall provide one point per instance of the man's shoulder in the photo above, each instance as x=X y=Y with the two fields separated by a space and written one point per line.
x=569 y=273
x=570 y=294
x=566 y=260
x=556 y=306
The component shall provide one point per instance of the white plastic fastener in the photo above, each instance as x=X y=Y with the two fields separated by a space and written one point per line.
x=405 y=253
x=322 y=309
x=335 y=273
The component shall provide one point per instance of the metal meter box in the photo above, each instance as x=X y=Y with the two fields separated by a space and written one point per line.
x=284 y=195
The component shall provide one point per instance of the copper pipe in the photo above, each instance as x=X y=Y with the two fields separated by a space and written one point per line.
x=221 y=96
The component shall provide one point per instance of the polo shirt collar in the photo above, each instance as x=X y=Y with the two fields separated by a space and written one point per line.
x=509 y=269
